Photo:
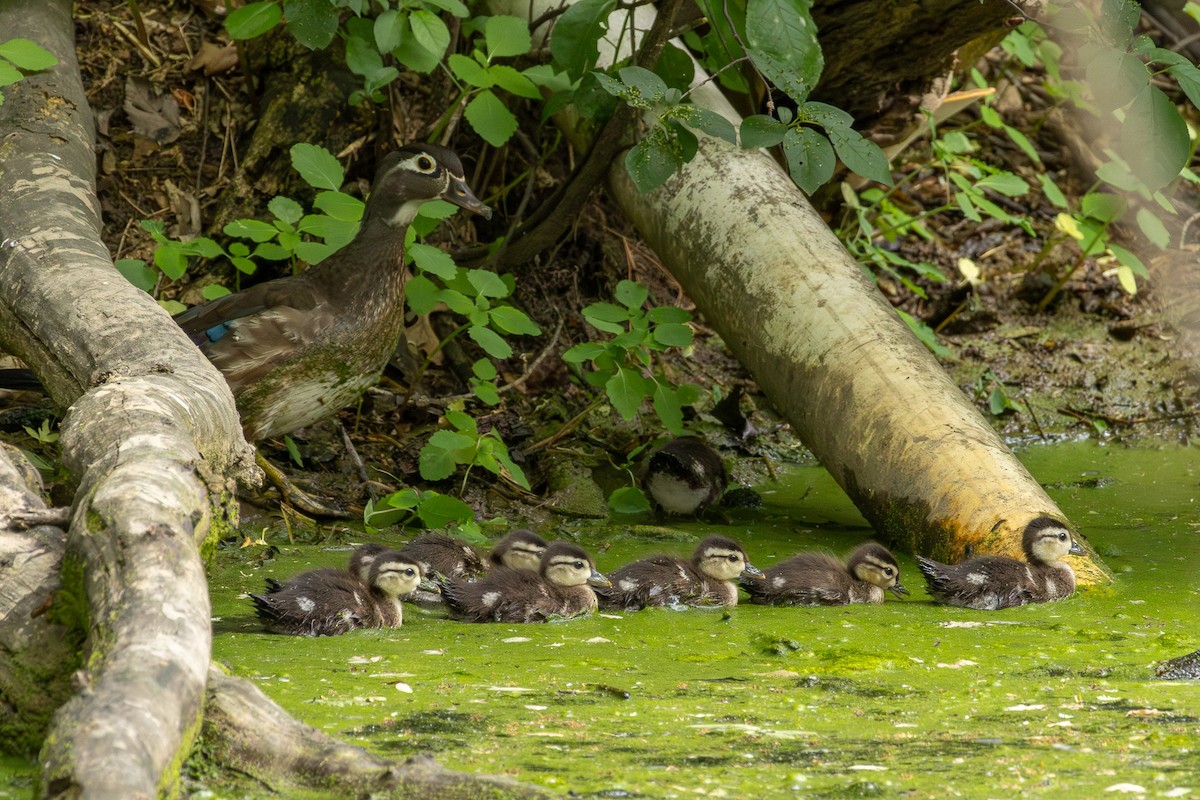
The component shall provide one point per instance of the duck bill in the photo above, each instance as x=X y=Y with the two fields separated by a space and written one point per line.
x=461 y=195
x=1076 y=549
x=752 y=571
x=429 y=585
x=898 y=590
x=597 y=579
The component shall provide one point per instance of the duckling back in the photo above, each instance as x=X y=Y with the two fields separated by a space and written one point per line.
x=664 y=580
x=819 y=579
x=320 y=602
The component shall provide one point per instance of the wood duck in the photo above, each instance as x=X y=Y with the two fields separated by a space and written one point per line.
x=328 y=602
x=684 y=476
x=520 y=549
x=441 y=556
x=561 y=588
x=662 y=580
x=819 y=579
x=361 y=558
x=991 y=582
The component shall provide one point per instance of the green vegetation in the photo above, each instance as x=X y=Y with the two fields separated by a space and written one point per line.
x=19 y=57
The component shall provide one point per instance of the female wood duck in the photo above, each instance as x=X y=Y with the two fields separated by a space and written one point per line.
x=300 y=348
x=520 y=549
x=991 y=582
x=670 y=581
x=561 y=588
x=684 y=476
x=819 y=579
x=328 y=602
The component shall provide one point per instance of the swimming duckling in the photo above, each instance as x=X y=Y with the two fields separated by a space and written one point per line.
x=442 y=554
x=520 y=549
x=684 y=476
x=561 y=588
x=819 y=579
x=361 y=558
x=327 y=602
x=662 y=580
x=991 y=582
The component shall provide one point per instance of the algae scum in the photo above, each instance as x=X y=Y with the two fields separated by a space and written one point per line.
x=906 y=699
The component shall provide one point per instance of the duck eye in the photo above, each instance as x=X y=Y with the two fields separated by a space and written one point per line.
x=425 y=163
x=887 y=571
x=578 y=565
x=1062 y=537
x=735 y=557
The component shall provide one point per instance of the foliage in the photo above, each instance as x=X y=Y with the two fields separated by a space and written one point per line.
x=463 y=445
x=19 y=57
x=432 y=509
x=625 y=366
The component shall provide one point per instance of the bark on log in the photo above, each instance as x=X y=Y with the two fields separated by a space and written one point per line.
x=801 y=315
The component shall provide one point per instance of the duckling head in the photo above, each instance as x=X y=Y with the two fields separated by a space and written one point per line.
x=874 y=563
x=361 y=558
x=520 y=549
x=567 y=564
x=1048 y=540
x=723 y=559
x=395 y=574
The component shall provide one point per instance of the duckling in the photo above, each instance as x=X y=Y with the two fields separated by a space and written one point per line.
x=328 y=602
x=442 y=554
x=561 y=588
x=684 y=476
x=664 y=580
x=819 y=579
x=991 y=582
x=520 y=549
x=361 y=558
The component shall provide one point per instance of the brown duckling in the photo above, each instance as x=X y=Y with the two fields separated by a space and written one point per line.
x=445 y=555
x=684 y=476
x=520 y=549
x=662 y=580
x=561 y=588
x=327 y=602
x=991 y=582
x=362 y=556
x=819 y=579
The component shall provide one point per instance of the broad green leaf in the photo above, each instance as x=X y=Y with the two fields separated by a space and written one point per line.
x=314 y=252
x=213 y=291
x=675 y=67
x=429 y=31
x=1116 y=78
x=137 y=273
x=486 y=391
x=1051 y=190
x=710 y=122
x=781 y=38
x=1005 y=183
x=442 y=454
x=462 y=421
x=1102 y=206
x=491 y=342
x=252 y=229
x=439 y=510
x=432 y=259
x=628 y=500
x=388 y=30
x=272 y=252
x=823 y=114
x=317 y=166
x=312 y=22
x=810 y=158
x=514 y=321
x=27 y=54
x=631 y=294
x=470 y=71
x=363 y=55
x=1154 y=139
x=490 y=118
x=487 y=283
x=512 y=80
x=172 y=262
x=511 y=470
x=457 y=301
x=244 y=265
x=419 y=53
x=253 y=20
x=644 y=88
x=924 y=334
x=9 y=74
x=584 y=351
x=861 y=155
x=453 y=6
x=576 y=33
x=506 y=36
x=626 y=389
x=421 y=294
x=651 y=162
x=761 y=131
x=285 y=209
x=340 y=206
x=484 y=370
x=1129 y=259
x=1188 y=78
x=663 y=314
x=666 y=406
x=673 y=335
x=1149 y=224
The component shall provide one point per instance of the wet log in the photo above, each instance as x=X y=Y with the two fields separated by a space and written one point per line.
x=796 y=309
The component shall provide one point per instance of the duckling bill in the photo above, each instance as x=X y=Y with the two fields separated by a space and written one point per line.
x=561 y=588
x=991 y=582
x=328 y=602
x=819 y=579
x=664 y=580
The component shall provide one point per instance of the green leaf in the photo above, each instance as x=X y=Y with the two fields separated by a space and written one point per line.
x=486 y=391
x=317 y=166
x=442 y=454
x=171 y=261
x=651 y=162
x=487 y=283
x=710 y=122
x=457 y=301
x=584 y=351
x=286 y=209
x=484 y=370
x=1102 y=206
x=1005 y=183
x=491 y=342
x=137 y=273
x=666 y=406
x=470 y=71
x=644 y=88
x=388 y=30
x=421 y=294
x=925 y=334
x=761 y=131
x=294 y=452
x=1154 y=139
x=631 y=294
x=430 y=32
x=490 y=119
x=340 y=206
x=781 y=39
x=514 y=321
x=1150 y=225
x=213 y=291
x=606 y=312
x=626 y=389
x=438 y=510
x=463 y=421
x=810 y=158
x=507 y=36
x=1051 y=190
x=1116 y=78
x=433 y=260
x=861 y=155
x=675 y=67
x=9 y=74
x=253 y=20
x=312 y=22
x=663 y=314
x=513 y=81
x=673 y=335
x=1188 y=78
x=576 y=33
x=252 y=229
x=1130 y=260
x=514 y=472
x=27 y=54
x=628 y=500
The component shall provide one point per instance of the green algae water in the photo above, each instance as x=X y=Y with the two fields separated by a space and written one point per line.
x=907 y=698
